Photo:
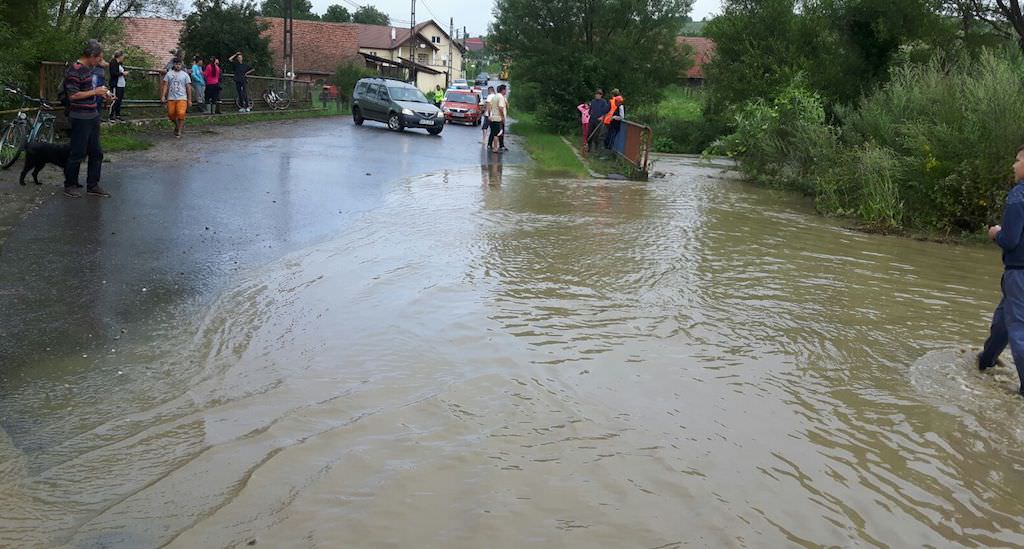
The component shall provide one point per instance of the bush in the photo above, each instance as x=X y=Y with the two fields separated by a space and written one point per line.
x=346 y=76
x=929 y=150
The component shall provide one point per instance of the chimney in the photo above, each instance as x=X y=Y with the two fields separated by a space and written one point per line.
x=394 y=36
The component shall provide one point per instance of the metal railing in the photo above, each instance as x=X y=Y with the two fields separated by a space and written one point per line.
x=633 y=142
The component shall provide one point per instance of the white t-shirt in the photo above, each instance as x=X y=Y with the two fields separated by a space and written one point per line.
x=177 y=85
x=495 y=104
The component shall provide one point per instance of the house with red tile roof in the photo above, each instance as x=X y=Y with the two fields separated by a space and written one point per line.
x=319 y=46
x=703 y=49
x=438 y=58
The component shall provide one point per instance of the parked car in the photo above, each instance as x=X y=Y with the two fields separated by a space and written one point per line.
x=463 y=107
x=398 y=104
x=483 y=79
x=460 y=83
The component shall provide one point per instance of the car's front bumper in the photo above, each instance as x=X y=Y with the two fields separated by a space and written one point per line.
x=417 y=121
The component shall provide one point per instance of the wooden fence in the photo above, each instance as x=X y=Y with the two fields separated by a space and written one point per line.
x=143 y=90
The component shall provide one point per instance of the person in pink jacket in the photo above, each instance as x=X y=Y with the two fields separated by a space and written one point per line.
x=584 y=109
x=212 y=74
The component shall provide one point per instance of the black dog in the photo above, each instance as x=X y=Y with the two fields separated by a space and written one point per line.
x=38 y=155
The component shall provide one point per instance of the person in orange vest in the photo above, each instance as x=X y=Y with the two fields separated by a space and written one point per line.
x=613 y=120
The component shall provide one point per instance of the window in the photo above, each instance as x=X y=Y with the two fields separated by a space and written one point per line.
x=384 y=94
x=361 y=88
x=421 y=58
x=435 y=39
x=373 y=91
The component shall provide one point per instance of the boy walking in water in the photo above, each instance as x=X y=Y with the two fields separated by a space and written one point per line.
x=1008 y=320
x=176 y=93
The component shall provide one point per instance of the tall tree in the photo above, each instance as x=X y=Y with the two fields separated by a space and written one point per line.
x=843 y=47
x=369 y=15
x=1004 y=16
x=337 y=14
x=219 y=28
x=301 y=9
x=583 y=44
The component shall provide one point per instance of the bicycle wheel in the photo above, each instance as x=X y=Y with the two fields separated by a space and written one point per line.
x=282 y=101
x=11 y=143
x=268 y=98
x=45 y=133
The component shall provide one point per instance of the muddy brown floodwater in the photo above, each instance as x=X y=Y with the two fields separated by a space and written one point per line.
x=494 y=360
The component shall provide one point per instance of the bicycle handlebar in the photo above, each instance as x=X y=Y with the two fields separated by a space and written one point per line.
x=16 y=91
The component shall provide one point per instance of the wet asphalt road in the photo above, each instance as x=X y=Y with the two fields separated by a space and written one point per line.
x=187 y=217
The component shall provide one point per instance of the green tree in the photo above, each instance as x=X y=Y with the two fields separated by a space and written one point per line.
x=844 y=48
x=219 y=28
x=336 y=14
x=301 y=9
x=369 y=15
x=569 y=47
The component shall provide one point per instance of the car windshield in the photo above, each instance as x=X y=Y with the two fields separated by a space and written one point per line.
x=462 y=98
x=407 y=94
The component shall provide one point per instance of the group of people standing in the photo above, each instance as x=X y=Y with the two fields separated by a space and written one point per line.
x=602 y=119
x=203 y=80
x=495 y=107
x=200 y=86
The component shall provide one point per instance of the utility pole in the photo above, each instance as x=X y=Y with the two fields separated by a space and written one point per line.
x=451 y=60
x=412 y=44
x=289 y=55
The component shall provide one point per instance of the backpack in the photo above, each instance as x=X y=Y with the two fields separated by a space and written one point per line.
x=62 y=93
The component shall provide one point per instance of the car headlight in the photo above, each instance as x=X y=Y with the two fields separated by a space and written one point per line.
x=407 y=112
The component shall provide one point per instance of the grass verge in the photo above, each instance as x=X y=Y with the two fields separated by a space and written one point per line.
x=547 y=149
x=121 y=143
x=132 y=137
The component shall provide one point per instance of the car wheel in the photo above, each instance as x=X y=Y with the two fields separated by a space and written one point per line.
x=395 y=122
x=435 y=131
x=357 y=116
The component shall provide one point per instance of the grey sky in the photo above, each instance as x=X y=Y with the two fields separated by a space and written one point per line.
x=473 y=14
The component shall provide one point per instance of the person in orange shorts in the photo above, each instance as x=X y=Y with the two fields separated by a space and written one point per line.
x=176 y=93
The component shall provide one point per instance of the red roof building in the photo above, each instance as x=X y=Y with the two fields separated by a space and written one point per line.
x=703 y=50
x=319 y=47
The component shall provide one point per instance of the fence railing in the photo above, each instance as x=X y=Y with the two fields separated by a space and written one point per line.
x=633 y=142
x=143 y=88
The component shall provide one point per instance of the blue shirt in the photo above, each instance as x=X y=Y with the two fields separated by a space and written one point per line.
x=197 y=75
x=1011 y=236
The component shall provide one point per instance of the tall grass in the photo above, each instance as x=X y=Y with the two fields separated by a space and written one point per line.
x=929 y=150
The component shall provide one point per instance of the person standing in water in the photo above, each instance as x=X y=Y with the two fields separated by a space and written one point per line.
x=1008 y=319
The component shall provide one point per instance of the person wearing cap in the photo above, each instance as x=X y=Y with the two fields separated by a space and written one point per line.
x=613 y=119
x=176 y=93
x=599 y=107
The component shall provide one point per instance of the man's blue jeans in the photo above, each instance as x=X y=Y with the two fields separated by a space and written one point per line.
x=1007 y=324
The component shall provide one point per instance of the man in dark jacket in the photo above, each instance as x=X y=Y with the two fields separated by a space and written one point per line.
x=1008 y=320
x=598 y=109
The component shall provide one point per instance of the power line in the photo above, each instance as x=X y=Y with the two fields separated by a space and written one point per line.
x=424 y=2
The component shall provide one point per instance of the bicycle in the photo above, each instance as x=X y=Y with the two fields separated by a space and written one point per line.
x=276 y=99
x=18 y=133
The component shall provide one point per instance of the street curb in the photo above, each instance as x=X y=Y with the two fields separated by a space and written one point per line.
x=579 y=157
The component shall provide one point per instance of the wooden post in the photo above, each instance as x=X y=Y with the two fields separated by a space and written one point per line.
x=42 y=80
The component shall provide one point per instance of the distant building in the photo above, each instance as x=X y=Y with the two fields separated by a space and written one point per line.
x=475 y=45
x=321 y=46
x=387 y=49
x=703 y=50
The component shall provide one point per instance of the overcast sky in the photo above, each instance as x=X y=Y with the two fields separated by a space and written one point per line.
x=473 y=14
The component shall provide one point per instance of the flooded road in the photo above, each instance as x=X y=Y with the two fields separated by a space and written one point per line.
x=480 y=357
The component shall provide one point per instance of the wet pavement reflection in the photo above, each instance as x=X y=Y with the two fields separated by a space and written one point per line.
x=480 y=356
